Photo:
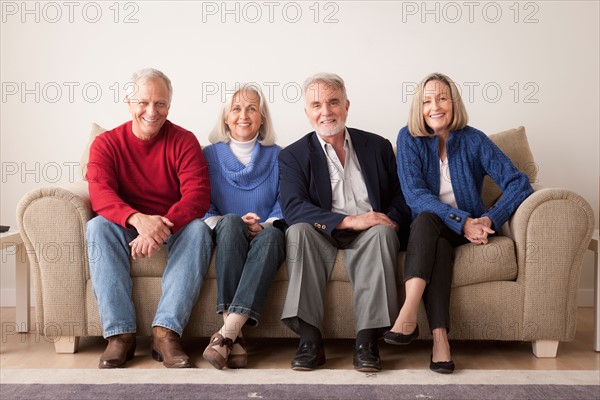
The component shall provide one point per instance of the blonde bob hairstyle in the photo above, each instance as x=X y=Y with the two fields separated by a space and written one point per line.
x=222 y=133
x=416 y=122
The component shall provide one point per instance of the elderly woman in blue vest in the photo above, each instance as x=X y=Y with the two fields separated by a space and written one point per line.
x=441 y=165
x=244 y=202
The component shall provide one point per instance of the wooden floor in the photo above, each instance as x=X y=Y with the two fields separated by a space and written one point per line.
x=31 y=350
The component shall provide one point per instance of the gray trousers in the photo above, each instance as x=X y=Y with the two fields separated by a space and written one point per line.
x=371 y=261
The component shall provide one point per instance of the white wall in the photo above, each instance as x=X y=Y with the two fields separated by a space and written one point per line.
x=65 y=64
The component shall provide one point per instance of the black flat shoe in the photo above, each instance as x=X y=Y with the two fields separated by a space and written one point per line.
x=308 y=357
x=441 y=367
x=400 y=339
x=366 y=358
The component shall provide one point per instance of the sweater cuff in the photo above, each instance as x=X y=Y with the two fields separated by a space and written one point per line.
x=455 y=219
x=269 y=222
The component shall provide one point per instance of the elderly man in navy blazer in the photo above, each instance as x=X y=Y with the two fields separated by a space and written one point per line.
x=340 y=190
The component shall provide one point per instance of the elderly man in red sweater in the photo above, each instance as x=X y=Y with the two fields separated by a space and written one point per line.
x=149 y=185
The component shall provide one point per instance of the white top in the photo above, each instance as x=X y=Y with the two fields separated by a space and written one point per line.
x=242 y=150
x=446 y=191
x=348 y=190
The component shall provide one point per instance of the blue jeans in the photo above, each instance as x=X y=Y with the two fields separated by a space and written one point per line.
x=109 y=258
x=245 y=270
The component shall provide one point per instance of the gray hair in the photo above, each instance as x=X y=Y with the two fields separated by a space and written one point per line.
x=222 y=133
x=145 y=74
x=328 y=79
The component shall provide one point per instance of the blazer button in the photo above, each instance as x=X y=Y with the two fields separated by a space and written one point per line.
x=324 y=226
x=458 y=219
x=317 y=225
x=452 y=215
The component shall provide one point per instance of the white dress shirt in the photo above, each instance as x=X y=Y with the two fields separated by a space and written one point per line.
x=348 y=190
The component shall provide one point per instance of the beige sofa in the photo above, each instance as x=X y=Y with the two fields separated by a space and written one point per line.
x=521 y=286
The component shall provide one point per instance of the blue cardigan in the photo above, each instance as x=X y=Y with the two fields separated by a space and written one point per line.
x=471 y=156
x=237 y=188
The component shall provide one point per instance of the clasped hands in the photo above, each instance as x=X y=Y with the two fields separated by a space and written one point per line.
x=152 y=230
x=251 y=221
x=365 y=221
x=478 y=229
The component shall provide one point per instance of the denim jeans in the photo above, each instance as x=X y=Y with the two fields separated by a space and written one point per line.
x=109 y=258
x=245 y=270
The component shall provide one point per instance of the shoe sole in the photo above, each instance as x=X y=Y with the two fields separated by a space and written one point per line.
x=389 y=341
x=443 y=371
x=158 y=357
x=302 y=368
x=128 y=357
x=368 y=369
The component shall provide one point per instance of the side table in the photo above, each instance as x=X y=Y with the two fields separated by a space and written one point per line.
x=593 y=246
x=12 y=243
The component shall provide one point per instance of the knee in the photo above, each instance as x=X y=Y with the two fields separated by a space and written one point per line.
x=425 y=219
x=98 y=226
x=298 y=229
x=198 y=230
x=271 y=236
x=229 y=223
x=383 y=231
x=384 y=234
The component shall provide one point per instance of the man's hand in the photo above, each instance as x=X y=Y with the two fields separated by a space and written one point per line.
x=478 y=229
x=152 y=230
x=251 y=221
x=364 y=221
x=140 y=248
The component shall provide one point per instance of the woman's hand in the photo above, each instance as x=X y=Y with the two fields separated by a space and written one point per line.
x=251 y=221
x=478 y=229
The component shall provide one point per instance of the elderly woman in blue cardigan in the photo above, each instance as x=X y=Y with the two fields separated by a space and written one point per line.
x=244 y=202
x=441 y=165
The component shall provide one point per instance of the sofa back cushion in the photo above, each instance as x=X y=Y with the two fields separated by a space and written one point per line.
x=85 y=157
x=514 y=144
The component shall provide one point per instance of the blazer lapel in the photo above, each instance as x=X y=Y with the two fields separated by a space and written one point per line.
x=368 y=166
x=320 y=172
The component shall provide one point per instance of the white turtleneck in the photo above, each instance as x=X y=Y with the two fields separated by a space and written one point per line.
x=242 y=150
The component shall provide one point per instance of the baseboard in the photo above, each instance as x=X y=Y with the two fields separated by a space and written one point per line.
x=585 y=298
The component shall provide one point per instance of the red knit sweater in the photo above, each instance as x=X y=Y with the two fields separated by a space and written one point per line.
x=166 y=175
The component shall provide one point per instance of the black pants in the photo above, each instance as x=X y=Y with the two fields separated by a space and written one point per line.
x=430 y=256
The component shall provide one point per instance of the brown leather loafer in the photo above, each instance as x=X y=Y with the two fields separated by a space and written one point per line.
x=166 y=347
x=213 y=356
x=238 y=357
x=120 y=349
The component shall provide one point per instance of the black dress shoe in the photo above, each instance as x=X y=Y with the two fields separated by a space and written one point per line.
x=398 y=338
x=308 y=357
x=366 y=358
x=441 y=367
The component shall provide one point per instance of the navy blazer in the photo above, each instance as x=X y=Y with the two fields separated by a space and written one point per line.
x=305 y=191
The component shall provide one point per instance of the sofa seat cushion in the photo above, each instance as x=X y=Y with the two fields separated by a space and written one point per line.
x=495 y=261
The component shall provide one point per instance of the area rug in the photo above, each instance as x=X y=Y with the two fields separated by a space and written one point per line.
x=279 y=384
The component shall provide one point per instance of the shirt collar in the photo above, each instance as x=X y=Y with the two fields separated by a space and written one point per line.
x=347 y=141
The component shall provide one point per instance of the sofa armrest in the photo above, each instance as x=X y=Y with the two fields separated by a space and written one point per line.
x=52 y=223
x=551 y=230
